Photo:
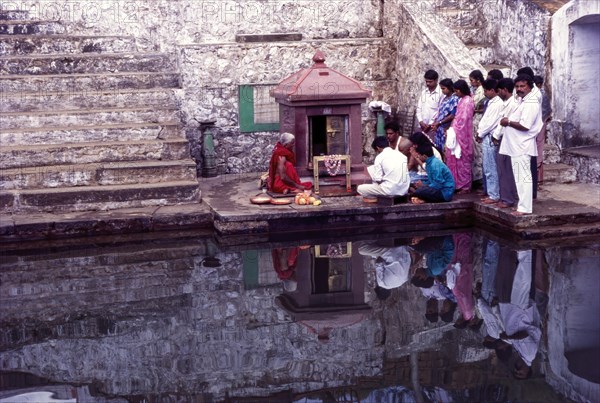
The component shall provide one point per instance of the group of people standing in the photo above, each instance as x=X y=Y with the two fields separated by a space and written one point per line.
x=500 y=118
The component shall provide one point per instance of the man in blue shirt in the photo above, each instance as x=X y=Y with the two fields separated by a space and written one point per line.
x=439 y=186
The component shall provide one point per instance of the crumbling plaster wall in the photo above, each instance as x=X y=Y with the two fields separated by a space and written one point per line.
x=575 y=49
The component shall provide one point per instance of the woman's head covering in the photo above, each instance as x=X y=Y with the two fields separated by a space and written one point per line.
x=286 y=138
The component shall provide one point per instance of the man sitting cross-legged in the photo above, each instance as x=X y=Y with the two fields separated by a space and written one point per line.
x=439 y=186
x=389 y=172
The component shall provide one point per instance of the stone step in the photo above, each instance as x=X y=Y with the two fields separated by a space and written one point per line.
x=14 y=45
x=79 y=117
x=94 y=134
x=99 y=262
x=88 y=153
x=75 y=82
x=33 y=101
x=484 y=54
x=99 y=197
x=86 y=63
x=115 y=173
x=559 y=173
x=586 y=160
x=456 y=17
x=552 y=154
x=20 y=15
x=471 y=35
x=24 y=27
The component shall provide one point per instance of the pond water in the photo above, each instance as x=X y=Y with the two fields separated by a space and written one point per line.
x=380 y=317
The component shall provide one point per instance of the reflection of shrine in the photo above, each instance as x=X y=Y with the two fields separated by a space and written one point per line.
x=331 y=288
x=322 y=108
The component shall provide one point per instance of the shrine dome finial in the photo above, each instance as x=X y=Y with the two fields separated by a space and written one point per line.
x=319 y=58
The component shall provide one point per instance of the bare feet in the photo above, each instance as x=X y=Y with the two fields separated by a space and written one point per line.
x=503 y=205
x=416 y=200
x=487 y=200
x=463 y=192
x=370 y=199
x=519 y=213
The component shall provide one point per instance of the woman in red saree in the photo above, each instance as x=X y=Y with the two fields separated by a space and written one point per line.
x=463 y=127
x=283 y=177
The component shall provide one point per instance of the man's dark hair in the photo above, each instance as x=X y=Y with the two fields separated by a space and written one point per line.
x=446 y=82
x=528 y=71
x=431 y=75
x=419 y=138
x=381 y=142
x=538 y=80
x=476 y=75
x=506 y=84
x=422 y=283
x=526 y=78
x=393 y=126
x=496 y=74
x=425 y=149
x=490 y=84
x=462 y=86
x=382 y=293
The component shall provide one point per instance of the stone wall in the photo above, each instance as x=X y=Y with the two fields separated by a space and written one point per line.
x=164 y=24
x=212 y=73
x=517 y=32
x=575 y=43
x=422 y=44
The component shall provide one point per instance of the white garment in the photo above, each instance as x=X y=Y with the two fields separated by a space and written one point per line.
x=521 y=167
x=491 y=117
x=529 y=114
x=395 y=268
x=452 y=143
x=428 y=105
x=509 y=107
x=390 y=172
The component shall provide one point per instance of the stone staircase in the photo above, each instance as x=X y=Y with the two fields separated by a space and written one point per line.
x=87 y=123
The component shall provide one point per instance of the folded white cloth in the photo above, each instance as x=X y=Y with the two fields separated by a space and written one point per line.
x=452 y=143
x=380 y=105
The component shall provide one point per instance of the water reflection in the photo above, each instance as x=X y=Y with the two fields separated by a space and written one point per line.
x=455 y=317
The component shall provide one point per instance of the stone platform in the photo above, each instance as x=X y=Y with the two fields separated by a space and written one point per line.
x=561 y=210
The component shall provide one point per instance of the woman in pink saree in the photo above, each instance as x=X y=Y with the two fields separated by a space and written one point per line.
x=460 y=162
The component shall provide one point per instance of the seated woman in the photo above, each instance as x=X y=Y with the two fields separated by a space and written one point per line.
x=283 y=177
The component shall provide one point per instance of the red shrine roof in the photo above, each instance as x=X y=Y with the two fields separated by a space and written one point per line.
x=319 y=82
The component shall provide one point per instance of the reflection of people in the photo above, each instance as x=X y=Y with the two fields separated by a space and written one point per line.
x=392 y=264
x=284 y=263
x=283 y=177
x=389 y=172
x=460 y=281
x=515 y=320
x=438 y=254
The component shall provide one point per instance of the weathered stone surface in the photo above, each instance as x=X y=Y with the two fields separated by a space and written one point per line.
x=105 y=197
x=94 y=134
x=559 y=173
x=16 y=27
x=46 y=119
x=586 y=161
x=122 y=173
x=79 y=153
x=89 y=63
x=88 y=98
x=91 y=82
x=11 y=45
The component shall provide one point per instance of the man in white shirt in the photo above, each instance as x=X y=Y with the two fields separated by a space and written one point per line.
x=429 y=101
x=521 y=128
x=389 y=173
x=506 y=180
x=487 y=124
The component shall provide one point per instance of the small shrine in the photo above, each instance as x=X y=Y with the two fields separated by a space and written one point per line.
x=330 y=288
x=322 y=108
